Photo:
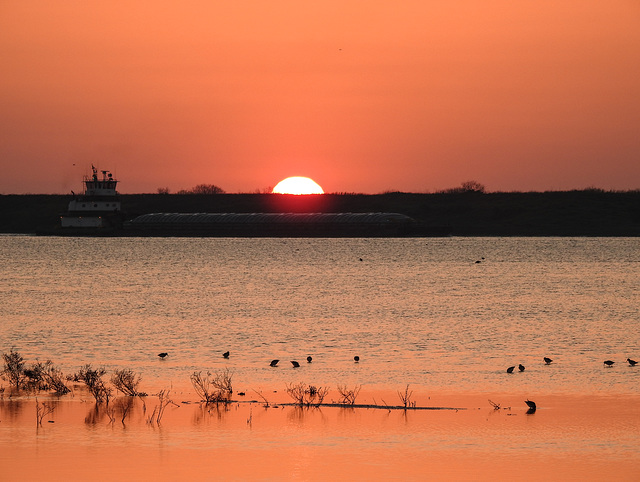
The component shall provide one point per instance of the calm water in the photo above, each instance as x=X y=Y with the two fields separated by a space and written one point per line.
x=416 y=311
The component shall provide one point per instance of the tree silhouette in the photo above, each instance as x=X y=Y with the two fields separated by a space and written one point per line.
x=204 y=189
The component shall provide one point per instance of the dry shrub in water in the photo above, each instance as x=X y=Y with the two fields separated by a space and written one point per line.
x=34 y=377
x=304 y=394
x=93 y=380
x=13 y=368
x=348 y=397
x=213 y=388
x=264 y=399
x=45 y=376
x=405 y=397
x=158 y=410
x=40 y=376
x=126 y=381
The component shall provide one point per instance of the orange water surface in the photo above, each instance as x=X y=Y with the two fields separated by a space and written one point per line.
x=568 y=437
x=444 y=316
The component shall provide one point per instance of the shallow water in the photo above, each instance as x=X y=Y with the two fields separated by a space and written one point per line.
x=569 y=438
x=417 y=311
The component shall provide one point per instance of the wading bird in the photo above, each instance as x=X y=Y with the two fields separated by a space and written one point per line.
x=521 y=367
x=274 y=363
x=547 y=360
x=309 y=359
x=162 y=355
x=225 y=354
x=608 y=362
x=510 y=369
x=295 y=364
x=631 y=362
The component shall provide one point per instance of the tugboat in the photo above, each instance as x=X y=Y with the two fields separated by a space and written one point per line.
x=95 y=211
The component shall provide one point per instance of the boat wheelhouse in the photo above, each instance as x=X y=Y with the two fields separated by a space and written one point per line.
x=97 y=207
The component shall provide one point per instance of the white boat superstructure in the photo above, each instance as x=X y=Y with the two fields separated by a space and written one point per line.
x=98 y=207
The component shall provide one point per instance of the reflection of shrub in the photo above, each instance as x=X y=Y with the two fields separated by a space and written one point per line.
x=307 y=395
x=213 y=388
x=13 y=368
x=93 y=380
x=123 y=406
x=127 y=382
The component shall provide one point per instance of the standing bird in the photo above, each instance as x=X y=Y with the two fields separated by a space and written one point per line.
x=521 y=367
x=608 y=362
x=631 y=362
x=295 y=364
x=510 y=369
x=532 y=405
x=356 y=358
x=309 y=359
x=162 y=355
x=274 y=363
x=547 y=360
x=225 y=354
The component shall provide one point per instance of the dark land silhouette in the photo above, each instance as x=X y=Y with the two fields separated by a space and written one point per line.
x=563 y=213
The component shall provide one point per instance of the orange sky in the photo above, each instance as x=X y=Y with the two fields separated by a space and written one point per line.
x=361 y=96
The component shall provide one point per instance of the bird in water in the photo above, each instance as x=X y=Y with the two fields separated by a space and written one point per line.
x=356 y=358
x=274 y=363
x=162 y=355
x=309 y=359
x=547 y=360
x=510 y=369
x=631 y=362
x=521 y=367
x=295 y=364
x=609 y=363
x=532 y=406
x=225 y=354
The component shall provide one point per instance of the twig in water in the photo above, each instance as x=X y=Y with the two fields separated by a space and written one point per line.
x=264 y=399
x=348 y=396
x=158 y=410
x=405 y=397
x=42 y=410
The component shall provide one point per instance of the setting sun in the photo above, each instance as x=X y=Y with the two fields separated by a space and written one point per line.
x=297 y=185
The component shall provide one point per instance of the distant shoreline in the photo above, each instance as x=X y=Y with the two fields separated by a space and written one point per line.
x=562 y=213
